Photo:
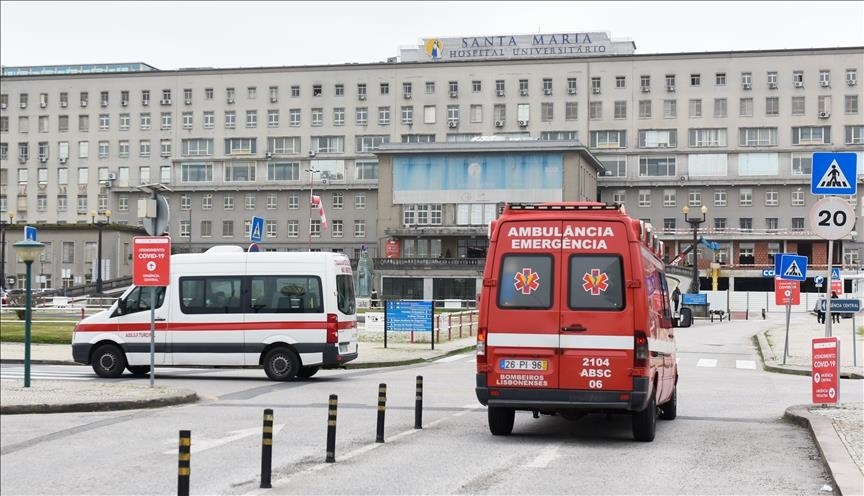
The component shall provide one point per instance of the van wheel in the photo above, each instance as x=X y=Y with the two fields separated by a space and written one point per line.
x=669 y=410
x=645 y=422
x=501 y=420
x=307 y=372
x=281 y=364
x=138 y=370
x=108 y=361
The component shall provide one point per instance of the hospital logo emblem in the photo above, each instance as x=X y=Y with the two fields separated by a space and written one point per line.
x=434 y=48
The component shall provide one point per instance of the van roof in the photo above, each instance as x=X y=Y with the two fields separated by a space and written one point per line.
x=236 y=255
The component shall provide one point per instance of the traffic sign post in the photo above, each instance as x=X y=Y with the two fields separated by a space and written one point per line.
x=256 y=229
x=151 y=266
x=787 y=292
x=832 y=218
x=792 y=268
x=30 y=233
x=833 y=173
x=404 y=315
x=825 y=367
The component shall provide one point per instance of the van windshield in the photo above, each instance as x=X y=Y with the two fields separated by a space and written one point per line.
x=139 y=299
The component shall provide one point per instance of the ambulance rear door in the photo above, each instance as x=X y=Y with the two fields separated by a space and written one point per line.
x=523 y=322
x=596 y=326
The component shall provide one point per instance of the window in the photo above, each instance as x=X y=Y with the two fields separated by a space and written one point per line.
x=772 y=223
x=571 y=86
x=294 y=117
x=811 y=135
x=850 y=104
x=559 y=136
x=315 y=228
x=721 y=108
x=570 y=111
x=644 y=109
x=338 y=200
x=251 y=119
x=361 y=115
x=616 y=165
x=295 y=91
x=366 y=169
x=477 y=86
x=745 y=224
x=523 y=87
x=701 y=138
x=772 y=198
x=619 y=197
x=240 y=146
x=228 y=202
x=694 y=198
x=284 y=145
x=745 y=107
x=645 y=82
x=359 y=228
x=595 y=85
x=798 y=105
x=695 y=79
x=272 y=118
x=366 y=144
x=360 y=201
x=798 y=79
x=198 y=173
x=669 y=198
x=339 y=116
x=745 y=197
x=407 y=112
x=851 y=77
x=608 y=139
x=187 y=120
x=644 y=197
x=657 y=138
x=328 y=144
x=656 y=166
x=293 y=200
x=595 y=110
x=620 y=82
x=797 y=223
x=695 y=108
x=384 y=88
x=249 y=201
x=720 y=198
x=546 y=112
x=143 y=149
x=670 y=109
x=196 y=147
x=802 y=164
x=669 y=224
x=772 y=105
x=230 y=119
x=757 y=136
x=240 y=172
x=620 y=109
x=771 y=77
x=383 y=116
x=854 y=135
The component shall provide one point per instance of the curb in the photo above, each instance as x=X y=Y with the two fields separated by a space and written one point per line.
x=413 y=361
x=847 y=478
x=103 y=406
x=769 y=361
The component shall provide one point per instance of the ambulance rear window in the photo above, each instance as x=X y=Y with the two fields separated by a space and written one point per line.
x=526 y=282
x=596 y=282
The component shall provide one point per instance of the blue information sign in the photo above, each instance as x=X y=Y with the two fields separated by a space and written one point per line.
x=256 y=229
x=834 y=173
x=695 y=299
x=408 y=316
x=792 y=268
x=30 y=233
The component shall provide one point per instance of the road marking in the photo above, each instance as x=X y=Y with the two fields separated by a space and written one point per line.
x=199 y=445
x=745 y=364
x=453 y=358
x=706 y=362
x=546 y=457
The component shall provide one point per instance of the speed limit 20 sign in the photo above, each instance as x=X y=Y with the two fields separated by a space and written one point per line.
x=832 y=218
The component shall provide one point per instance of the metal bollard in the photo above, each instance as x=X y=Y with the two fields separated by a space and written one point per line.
x=418 y=404
x=266 y=448
x=183 y=463
x=382 y=403
x=331 y=429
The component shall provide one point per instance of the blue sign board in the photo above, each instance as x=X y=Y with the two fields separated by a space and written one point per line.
x=778 y=258
x=695 y=299
x=793 y=268
x=767 y=273
x=835 y=273
x=819 y=280
x=256 y=229
x=834 y=174
x=843 y=305
x=408 y=316
x=253 y=248
x=30 y=233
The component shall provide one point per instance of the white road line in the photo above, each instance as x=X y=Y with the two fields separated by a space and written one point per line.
x=706 y=362
x=546 y=457
x=453 y=358
x=745 y=364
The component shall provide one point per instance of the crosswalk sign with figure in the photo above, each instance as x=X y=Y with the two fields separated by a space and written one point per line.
x=793 y=268
x=833 y=174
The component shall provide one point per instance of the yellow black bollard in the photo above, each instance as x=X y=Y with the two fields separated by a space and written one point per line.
x=382 y=402
x=331 y=429
x=418 y=404
x=183 y=463
x=266 y=448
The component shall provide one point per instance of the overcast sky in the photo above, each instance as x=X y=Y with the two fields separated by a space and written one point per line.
x=171 y=35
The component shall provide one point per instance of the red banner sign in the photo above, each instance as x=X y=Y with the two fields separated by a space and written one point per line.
x=825 y=370
x=786 y=292
x=151 y=257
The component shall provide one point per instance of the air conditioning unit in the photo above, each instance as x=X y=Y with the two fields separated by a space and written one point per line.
x=2 y=105
x=230 y=100
x=547 y=92
x=571 y=91
x=824 y=84
x=454 y=94
x=84 y=103
x=43 y=185
x=523 y=123
x=500 y=92
x=112 y=176
x=799 y=84
x=23 y=105
x=645 y=89
x=22 y=160
x=104 y=104
x=273 y=99
x=362 y=96
x=499 y=123
x=596 y=91
x=851 y=82
x=772 y=86
x=824 y=115
x=62 y=104
x=43 y=159
x=145 y=102
x=670 y=88
x=165 y=101
x=407 y=96
x=268 y=155
x=312 y=153
x=409 y=122
x=748 y=86
x=63 y=160
x=43 y=104
x=188 y=101
x=523 y=92
x=124 y=103
x=452 y=124
x=682 y=178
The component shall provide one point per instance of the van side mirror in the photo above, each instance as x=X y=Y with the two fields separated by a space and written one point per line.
x=121 y=306
x=685 y=319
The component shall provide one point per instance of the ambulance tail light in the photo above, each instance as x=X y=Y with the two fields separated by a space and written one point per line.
x=640 y=350
x=482 y=364
x=332 y=328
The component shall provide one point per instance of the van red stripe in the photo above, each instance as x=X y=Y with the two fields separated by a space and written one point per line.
x=211 y=326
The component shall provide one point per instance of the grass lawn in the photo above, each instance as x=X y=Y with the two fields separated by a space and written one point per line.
x=12 y=330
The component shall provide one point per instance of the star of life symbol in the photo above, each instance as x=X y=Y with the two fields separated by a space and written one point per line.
x=595 y=282
x=527 y=281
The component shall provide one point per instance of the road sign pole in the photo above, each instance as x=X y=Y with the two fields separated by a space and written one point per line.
x=786 y=346
x=828 y=290
x=152 y=335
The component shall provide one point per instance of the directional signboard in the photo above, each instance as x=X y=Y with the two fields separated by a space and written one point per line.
x=256 y=229
x=844 y=305
x=408 y=316
x=793 y=268
x=833 y=174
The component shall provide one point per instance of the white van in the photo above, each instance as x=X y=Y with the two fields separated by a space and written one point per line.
x=291 y=313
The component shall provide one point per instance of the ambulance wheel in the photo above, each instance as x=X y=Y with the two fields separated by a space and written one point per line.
x=645 y=422
x=669 y=410
x=108 y=361
x=138 y=370
x=307 y=372
x=501 y=420
x=281 y=364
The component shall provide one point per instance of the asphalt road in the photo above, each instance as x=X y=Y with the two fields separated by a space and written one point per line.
x=729 y=437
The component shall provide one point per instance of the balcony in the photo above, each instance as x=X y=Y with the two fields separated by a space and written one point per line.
x=430 y=263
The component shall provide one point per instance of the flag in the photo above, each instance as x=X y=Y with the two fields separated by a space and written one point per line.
x=316 y=202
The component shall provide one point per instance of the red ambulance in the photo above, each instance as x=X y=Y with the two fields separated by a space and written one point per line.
x=575 y=317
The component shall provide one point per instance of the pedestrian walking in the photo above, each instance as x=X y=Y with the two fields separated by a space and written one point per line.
x=835 y=316
x=676 y=298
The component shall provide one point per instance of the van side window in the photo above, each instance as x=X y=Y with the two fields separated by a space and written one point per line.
x=596 y=282
x=286 y=294
x=345 y=300
x=526 y=282
x=211 y=295
x=138 y=299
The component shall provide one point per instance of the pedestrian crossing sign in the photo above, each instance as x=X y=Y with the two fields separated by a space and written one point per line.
x=793 y=268
x=833 y=173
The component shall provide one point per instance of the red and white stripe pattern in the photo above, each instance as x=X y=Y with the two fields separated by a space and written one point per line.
x=316 y=202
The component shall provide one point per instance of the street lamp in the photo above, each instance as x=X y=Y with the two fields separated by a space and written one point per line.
x=28 y=251
x=100 y=224
x=694 y=223
x=3 y=225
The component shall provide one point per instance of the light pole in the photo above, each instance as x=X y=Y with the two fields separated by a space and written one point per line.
x=100 y=224
x=28 y=251
x=694 y=223
x=311 y=170
x=3 y=225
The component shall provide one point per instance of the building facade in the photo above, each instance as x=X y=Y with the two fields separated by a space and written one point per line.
x=733 y=131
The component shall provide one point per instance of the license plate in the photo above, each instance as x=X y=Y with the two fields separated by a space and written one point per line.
x=519 y=364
